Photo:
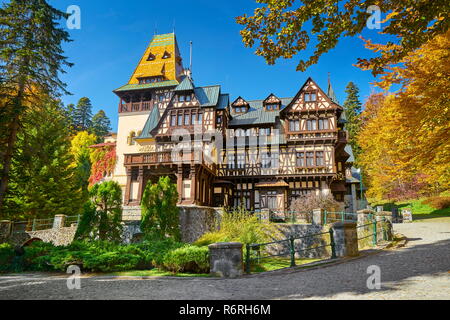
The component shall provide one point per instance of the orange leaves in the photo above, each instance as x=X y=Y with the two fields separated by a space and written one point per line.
x=407 y=135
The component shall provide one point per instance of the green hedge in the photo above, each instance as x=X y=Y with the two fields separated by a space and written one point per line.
x=108 y=257
x=187 y=259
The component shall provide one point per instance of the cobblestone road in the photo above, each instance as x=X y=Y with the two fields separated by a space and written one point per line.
x=418 y=271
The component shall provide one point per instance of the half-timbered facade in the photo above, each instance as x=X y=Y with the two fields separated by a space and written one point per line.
x=260 y=154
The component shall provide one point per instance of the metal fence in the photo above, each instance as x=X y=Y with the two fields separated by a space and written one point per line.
x=256 y=253
x=31 y=225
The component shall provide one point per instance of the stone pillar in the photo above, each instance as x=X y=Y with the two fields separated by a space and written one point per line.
x=226 y=259
x=141 y=183
x=318 y=215
x=5 y=229
x=59 y=221
x=128 y=186
x=354 y=198
x=385 y=219
x=346 y=239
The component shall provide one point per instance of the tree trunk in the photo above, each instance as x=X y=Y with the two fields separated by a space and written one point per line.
x=7 y=159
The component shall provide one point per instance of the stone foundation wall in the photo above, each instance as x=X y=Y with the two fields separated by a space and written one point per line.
x=58 y=237
x=298 y=231
x=196 y=221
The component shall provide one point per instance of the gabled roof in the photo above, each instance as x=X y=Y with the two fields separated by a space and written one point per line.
x=151 y=124
x=257 y=114
x=297 y=96
x=185 y=85
x=272 y=99
x=208 y=96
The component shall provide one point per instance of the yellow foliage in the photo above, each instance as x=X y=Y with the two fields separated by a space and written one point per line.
x=407 y=134
x=81 y=143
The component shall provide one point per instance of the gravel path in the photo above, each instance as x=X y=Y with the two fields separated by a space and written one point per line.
x=421 y=270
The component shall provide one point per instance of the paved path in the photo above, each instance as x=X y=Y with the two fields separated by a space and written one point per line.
x=418 y=271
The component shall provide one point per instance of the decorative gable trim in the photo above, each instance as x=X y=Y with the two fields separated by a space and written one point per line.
x=272 y=103
x=240 y=105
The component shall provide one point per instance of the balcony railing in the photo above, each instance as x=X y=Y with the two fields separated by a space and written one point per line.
x=135 y=106
x=167 y=158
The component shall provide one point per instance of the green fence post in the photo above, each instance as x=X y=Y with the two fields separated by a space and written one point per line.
x=33 y=228
x=343 y=217
x=247 y=260
x=375 y=236
x=292 y=244
x=325 y=217
x=332 y=244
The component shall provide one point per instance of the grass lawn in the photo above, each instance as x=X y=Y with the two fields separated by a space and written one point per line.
x=420 y=211
x=155 y=273
x=270 y=264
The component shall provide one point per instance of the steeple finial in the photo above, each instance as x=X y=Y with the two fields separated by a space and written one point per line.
x=330 y=92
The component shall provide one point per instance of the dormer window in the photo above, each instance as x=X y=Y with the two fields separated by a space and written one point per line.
x=272 y=103
x=272 y=107
x=148 y=80
x=184 y=98
x=151 y=57
x=310 y=96
x=240 y=109
x=240 y=106
x=166 y=55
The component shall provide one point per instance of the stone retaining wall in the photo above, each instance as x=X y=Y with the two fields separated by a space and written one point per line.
x=298 y=231
x=194 y=223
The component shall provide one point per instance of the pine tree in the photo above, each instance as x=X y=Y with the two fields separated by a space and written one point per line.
x=101 y=125
x=43 y=179
x=82 y=114
x=353 y=109
x=31 y=59
x=159 y=210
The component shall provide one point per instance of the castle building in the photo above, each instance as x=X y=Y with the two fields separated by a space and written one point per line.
x=260 y=154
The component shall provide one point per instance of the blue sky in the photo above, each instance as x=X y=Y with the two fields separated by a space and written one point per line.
x=115 y=33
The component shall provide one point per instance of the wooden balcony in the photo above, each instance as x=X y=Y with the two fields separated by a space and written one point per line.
x=167 y=158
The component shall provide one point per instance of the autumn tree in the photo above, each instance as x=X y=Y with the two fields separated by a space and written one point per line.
x=31 y=59
x=282 y=29
x=82 y=158
x=353 y=108
x=405 y=138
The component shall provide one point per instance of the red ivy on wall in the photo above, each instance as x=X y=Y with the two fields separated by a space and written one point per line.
x=103 y=159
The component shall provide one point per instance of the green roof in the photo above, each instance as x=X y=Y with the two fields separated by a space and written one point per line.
x=151 y=124
x=128 y=87
x=257 y=114
x=224 y=101
x=185 y=85
x=208 y=96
